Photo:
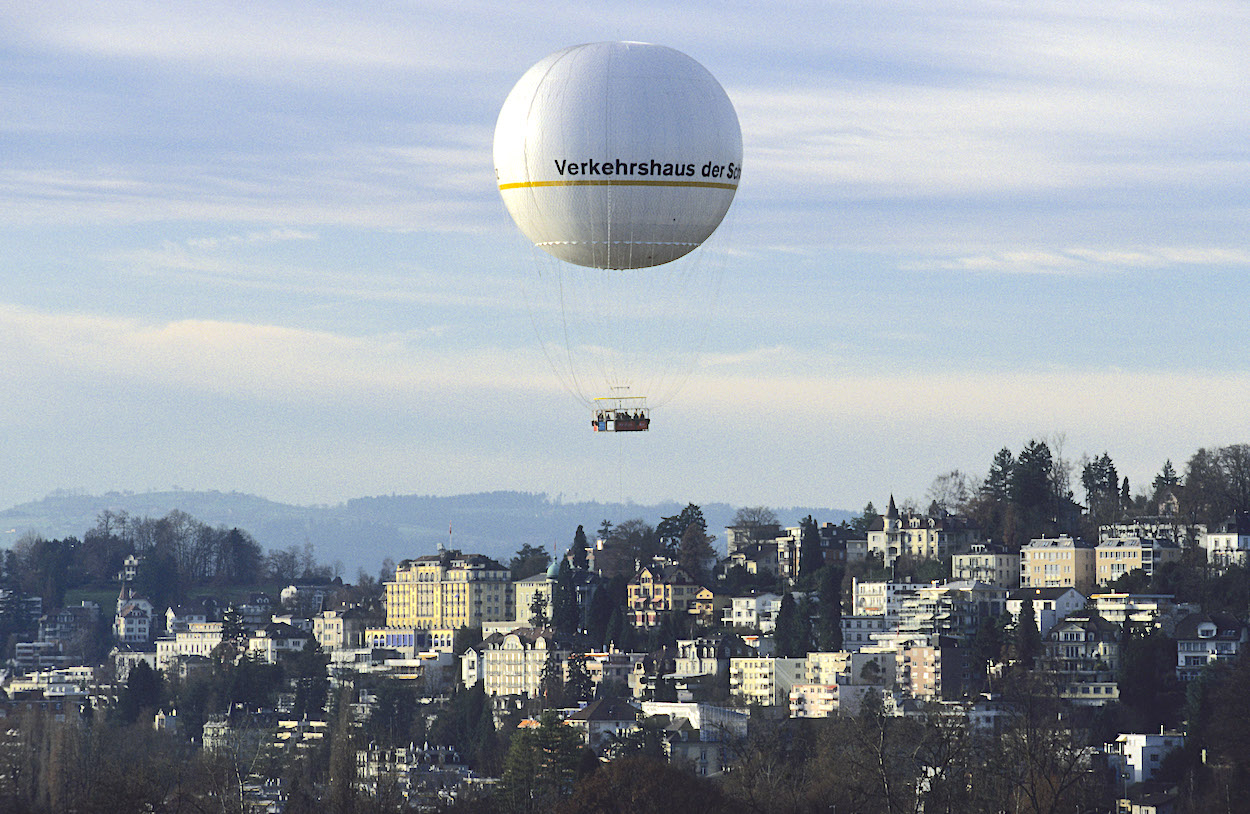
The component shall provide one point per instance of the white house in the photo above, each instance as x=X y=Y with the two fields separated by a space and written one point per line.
x=1203 y=639
x=133 y=622
x=1050 y=605
x=1136 y=757
x=753 y=612
x=1229 y=543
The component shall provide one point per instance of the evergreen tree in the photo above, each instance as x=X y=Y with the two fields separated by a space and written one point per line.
x=988 y=644
x=1031 y=479
x=695 y=553
x=998 y=481
x=581 y=550
x=671 y=530
x=1166 y=477
x=341 y=792
x=789 y=633
x=578 y=686
x=565 y=614
x=1028 y=639
x=810 y=556
x=538 y=611
x=141 y=697
x=541 y=766
x=1149 y=689
x=597 y=615
x=829 y=635
x=867 y=517
x=529 y=561
x=617 y=631
x=551 y=680
x=307 y=670
x=233 y=642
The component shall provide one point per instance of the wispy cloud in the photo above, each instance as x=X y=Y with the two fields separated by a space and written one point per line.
x=1089 y=261
x=260 y=361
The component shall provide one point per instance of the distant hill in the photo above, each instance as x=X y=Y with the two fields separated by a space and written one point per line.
x=362 y=532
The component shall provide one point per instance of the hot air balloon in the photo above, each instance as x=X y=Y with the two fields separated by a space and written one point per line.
x=617 y=160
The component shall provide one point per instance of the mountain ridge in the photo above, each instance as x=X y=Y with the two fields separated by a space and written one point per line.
x=360 y=532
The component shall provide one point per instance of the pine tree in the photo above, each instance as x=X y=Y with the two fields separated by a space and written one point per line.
x=789 y=633
x=829 y=637
x=565 y=613
x=695 y=553
x=551 y=680
x=538 y=611
x=578 y=686
x=233 y=637
x=810 y=556
x=1028 y=639
x=581 y=550
x=598 y=615
x=541 y=766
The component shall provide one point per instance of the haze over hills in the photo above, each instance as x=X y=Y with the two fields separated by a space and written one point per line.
x=361 y=532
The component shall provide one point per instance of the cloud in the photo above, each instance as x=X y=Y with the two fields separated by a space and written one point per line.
x=1087 y=261
x=266 y=362
x=249 y=239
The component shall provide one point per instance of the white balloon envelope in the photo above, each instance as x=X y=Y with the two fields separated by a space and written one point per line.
x=618 y=155
x=619 y=159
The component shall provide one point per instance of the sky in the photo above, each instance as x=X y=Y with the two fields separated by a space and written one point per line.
x=259 y=247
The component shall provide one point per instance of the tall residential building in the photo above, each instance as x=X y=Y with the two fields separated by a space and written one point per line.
x=1058 y=562
x=987 y=563
x=765 y=681
x=448 y=590
x=957 y=609
x=1117 y=556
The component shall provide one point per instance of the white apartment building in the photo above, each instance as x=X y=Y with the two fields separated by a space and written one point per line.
x=1142 y=610
x=753 y=612
x=198 y=639
x=879 y=598
x=863 y=631
x=765 y=681
x=954 y=608
x=987 y=563
x=511 y=663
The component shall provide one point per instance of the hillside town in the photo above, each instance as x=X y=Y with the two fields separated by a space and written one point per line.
x=905 y=661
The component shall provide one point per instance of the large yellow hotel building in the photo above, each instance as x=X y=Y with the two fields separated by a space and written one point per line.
x=448 y=591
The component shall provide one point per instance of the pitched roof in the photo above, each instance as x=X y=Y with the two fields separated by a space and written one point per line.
x=1227 y=626
x=607 y=709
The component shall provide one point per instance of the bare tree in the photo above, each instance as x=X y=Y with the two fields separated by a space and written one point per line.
x=952 y=492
